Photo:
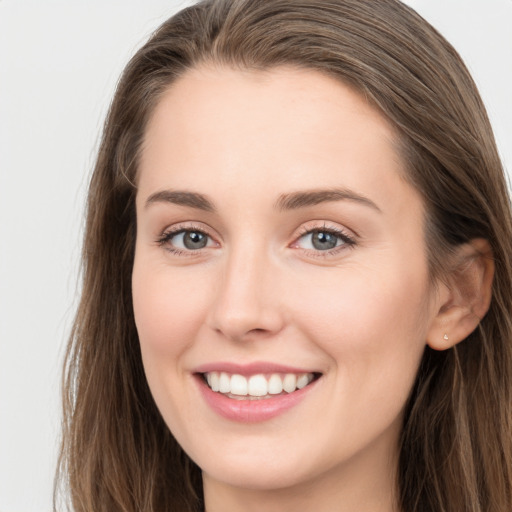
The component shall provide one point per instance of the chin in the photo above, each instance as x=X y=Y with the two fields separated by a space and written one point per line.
x=256 y=475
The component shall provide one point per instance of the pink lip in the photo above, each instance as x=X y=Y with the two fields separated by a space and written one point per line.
x=251 y=411
x=249 y=369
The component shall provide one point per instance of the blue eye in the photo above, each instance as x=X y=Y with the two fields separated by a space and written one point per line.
x=191 y=240
x=324 y=240
x=186 y=239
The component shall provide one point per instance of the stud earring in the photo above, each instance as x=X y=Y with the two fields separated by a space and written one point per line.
x=445 y=337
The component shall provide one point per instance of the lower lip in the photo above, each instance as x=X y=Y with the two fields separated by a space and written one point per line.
x=252 y=411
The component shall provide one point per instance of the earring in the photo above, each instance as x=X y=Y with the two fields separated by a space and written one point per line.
x=445 y=337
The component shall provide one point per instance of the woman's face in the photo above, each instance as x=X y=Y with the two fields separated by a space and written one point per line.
x=278 y=245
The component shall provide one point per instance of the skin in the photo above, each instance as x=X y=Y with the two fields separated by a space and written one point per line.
x=260 y=291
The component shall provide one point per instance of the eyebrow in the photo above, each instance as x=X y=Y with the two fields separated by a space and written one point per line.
x=296 y=200
x=182 y=198
x=291 y=201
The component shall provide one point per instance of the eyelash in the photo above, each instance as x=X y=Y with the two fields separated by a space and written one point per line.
x=348 y=242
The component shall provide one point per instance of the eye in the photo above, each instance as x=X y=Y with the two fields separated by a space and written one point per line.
x=191 y=240
x=324 y=240
x=181 y=240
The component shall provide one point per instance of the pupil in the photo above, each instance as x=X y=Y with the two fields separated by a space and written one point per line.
x=194 y=240
x=324 y=241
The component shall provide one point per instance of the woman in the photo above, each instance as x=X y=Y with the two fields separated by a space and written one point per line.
x=296 y=273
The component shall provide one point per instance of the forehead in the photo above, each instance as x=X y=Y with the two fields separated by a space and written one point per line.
x=207 y=102
x=285 y=128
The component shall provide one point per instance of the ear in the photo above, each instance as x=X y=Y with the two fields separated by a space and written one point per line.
x=464 y=296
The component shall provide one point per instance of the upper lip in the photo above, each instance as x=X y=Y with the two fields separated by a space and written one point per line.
x=250 y=368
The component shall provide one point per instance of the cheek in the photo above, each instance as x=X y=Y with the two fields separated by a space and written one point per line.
x=373 y=326
x=364 y=307
x=167 y=310
x=167 y=316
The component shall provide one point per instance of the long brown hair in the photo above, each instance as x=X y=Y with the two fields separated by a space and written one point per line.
x=455 y=455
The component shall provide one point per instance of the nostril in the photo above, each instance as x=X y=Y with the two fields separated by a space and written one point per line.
x=248 y=328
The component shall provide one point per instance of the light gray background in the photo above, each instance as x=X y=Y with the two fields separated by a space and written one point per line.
x=59 y=62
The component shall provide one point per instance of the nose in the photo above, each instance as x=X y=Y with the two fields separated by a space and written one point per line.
x=247 y=300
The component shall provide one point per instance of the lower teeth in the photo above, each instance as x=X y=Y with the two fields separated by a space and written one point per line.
x=250 y=397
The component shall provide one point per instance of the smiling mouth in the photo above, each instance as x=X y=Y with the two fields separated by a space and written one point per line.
x=259 y=386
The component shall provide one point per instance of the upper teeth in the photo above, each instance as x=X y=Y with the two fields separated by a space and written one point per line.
x=257 y=385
